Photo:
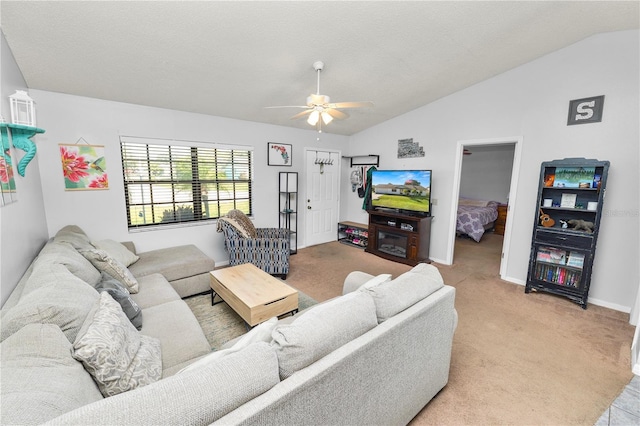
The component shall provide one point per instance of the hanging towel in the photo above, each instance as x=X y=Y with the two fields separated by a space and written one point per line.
x=367 y=191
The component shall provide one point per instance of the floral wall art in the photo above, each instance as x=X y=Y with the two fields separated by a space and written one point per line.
x=83 y=167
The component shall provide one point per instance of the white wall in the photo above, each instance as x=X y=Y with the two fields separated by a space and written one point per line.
x=23 y=228
x=532 y=101
x=102 y=214
x=486 y=174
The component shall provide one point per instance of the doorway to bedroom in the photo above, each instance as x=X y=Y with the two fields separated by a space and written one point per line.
x=484 y=190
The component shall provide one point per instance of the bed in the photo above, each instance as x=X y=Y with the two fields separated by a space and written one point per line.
x=475 y=217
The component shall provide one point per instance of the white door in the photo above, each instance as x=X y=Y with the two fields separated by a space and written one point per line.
x=322 y=190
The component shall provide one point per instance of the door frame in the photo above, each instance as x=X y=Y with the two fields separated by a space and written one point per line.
x=307 y=175
x=513 y=193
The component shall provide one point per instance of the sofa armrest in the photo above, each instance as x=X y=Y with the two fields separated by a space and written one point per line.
x=354 y=280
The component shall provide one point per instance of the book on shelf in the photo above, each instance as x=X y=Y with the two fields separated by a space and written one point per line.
x=551 y=255
x=576 y=260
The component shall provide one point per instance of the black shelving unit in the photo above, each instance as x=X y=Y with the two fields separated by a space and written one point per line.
x=568 y=211
x=288 y=206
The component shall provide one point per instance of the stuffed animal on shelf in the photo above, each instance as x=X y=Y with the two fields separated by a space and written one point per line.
x=581 y=225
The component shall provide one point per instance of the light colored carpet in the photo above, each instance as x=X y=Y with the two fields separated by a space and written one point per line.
x=521 y=359
x=220 y=323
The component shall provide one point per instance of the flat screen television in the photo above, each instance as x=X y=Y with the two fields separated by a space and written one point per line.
x=403 y=191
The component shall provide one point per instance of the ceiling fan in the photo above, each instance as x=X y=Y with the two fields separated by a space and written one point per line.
x=319 y=108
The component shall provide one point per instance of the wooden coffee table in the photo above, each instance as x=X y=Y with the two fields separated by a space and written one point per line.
x=255 y=295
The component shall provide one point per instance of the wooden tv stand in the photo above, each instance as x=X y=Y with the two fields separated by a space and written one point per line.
x=399 y=237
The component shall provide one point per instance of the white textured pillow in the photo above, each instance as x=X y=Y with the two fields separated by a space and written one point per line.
x=117 y=356
x=105 y=263
x=259 y=333
x=117 y=250
x=321 y=330
x=409 y=288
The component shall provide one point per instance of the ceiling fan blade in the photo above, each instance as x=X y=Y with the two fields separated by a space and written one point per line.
x=336 y=114
x=351 y=104
x=301 y=114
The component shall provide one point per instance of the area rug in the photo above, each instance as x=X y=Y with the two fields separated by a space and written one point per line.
x=220 y=323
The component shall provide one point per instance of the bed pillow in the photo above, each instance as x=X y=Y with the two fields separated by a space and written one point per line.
x=117 y=356
x=117 y=250
x=105 y=263
x=473 y=203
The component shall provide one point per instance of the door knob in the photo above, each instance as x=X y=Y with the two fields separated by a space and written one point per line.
x=309 y=207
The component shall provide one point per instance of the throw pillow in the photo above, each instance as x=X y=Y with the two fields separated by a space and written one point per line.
x=59 y=298
x=235 y=225
x=105 y=263
x=259 y=333
x=117 y=356
x=40 y=379
x=117 y=250
x=321 y=330
x=244 y=222
x=395 y=296
x=121 y=295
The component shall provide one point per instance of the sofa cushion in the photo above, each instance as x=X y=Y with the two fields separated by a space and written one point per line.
x=116 y=250
x=59 y=298
x=115 y=354
x=178 y=330
x=173 y=263
x=105 y=263
x=40 y=379
x=77 y=264
x=75 y=236
x=154 y=290
x=321 y=330
x=259 y=333
x=395 y=296
x=121 y=295
x=198 y=397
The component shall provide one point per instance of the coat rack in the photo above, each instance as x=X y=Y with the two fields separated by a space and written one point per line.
x=323 y=161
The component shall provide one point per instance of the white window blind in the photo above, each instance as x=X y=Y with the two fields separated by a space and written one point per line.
x=177 y=183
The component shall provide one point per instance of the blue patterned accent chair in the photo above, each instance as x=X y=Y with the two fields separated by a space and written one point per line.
x=267 y=248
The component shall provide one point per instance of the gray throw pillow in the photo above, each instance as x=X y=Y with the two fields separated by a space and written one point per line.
x=121 y=295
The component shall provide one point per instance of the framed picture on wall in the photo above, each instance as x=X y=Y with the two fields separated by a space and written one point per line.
x=83 y=167
x=279 y=154
x=586 y=110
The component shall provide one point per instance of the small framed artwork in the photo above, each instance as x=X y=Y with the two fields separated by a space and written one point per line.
x=585 y=110
x=278 y=154
x=568 y=201
x=83 y=167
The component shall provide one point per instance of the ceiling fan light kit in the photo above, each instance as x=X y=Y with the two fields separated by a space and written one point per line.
x=319 y=108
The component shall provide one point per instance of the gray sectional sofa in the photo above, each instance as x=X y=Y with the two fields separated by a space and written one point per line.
x=375 y=355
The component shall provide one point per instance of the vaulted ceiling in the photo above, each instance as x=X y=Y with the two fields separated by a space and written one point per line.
x=233 y=59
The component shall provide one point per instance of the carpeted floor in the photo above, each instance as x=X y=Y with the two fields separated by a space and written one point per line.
x=533 y=359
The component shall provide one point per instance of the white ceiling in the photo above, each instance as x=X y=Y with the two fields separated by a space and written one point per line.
x=232 y=59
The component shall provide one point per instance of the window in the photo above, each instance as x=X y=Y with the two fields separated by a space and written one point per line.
x=169 y=184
